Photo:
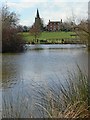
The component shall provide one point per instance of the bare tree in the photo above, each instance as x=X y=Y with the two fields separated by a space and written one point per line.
x=11 y=40
x=35 y=31
x=80 y=27
x=82 y=31
x=68 y=26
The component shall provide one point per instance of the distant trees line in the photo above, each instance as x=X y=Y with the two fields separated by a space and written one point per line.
x=23 y=28
x=66 y=27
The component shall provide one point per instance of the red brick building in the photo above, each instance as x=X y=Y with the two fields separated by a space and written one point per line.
x=54 y=25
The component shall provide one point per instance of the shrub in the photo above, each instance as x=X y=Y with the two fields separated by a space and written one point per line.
x=11 y=40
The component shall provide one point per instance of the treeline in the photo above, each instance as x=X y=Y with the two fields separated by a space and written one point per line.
x=22 y=28
x=11 y=40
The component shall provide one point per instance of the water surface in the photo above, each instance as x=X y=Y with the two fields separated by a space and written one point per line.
x=40 y=65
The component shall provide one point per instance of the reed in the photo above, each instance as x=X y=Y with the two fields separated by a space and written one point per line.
x=67 y=99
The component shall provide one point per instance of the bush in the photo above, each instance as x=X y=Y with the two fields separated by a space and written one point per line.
x=11 y=40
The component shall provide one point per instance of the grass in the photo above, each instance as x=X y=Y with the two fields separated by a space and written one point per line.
x=49 y=36
x=68 y=100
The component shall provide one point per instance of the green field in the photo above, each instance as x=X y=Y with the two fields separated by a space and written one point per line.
x=50 y=37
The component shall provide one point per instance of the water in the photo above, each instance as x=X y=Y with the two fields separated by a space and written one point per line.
x=41 y=65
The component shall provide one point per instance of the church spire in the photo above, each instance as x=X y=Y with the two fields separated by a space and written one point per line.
x=37 y=14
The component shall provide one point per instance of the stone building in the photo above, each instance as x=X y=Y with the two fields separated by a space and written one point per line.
x=38 y=21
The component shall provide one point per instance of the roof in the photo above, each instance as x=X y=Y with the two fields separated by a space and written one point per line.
x=37 y=14
x=54 y=22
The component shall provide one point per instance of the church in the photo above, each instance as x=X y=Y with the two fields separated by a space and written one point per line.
x=38 y=21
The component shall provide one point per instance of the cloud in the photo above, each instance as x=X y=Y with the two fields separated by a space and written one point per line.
x=20 y=5
x=53 y=10
x=45 y=1
x=25 y=22
x=35 y=1
x=70 y=1
x=64 y=10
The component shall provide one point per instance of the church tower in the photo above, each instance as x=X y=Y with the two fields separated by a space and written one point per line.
x=38 y=22
x=37 y=19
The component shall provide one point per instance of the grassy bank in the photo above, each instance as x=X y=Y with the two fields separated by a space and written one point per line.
x=50 y=37
x=68 y=100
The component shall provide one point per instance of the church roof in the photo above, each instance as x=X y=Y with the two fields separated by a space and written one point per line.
x=37 y=14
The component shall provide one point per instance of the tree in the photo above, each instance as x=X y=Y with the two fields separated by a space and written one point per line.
x=25 y=29
x=20 y=28
x=67 y=26
x=11 y=40
x=35 y=31
x=82 y=31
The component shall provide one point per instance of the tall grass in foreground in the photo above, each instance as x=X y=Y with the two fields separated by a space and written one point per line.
x=68 y=100
x=58 y=100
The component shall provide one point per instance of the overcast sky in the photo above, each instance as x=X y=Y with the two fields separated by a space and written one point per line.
x=48 y=9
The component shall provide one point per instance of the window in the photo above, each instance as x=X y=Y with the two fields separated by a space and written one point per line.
x=58 y=27
x=54 y=28
x=54 y=23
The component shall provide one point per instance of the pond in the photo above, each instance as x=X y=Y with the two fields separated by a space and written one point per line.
x=40 y=65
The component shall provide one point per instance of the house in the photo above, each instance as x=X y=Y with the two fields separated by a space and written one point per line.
x=54 y=25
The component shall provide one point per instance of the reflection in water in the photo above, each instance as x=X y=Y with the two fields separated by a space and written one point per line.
x=10 y=70
x=22 y=73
